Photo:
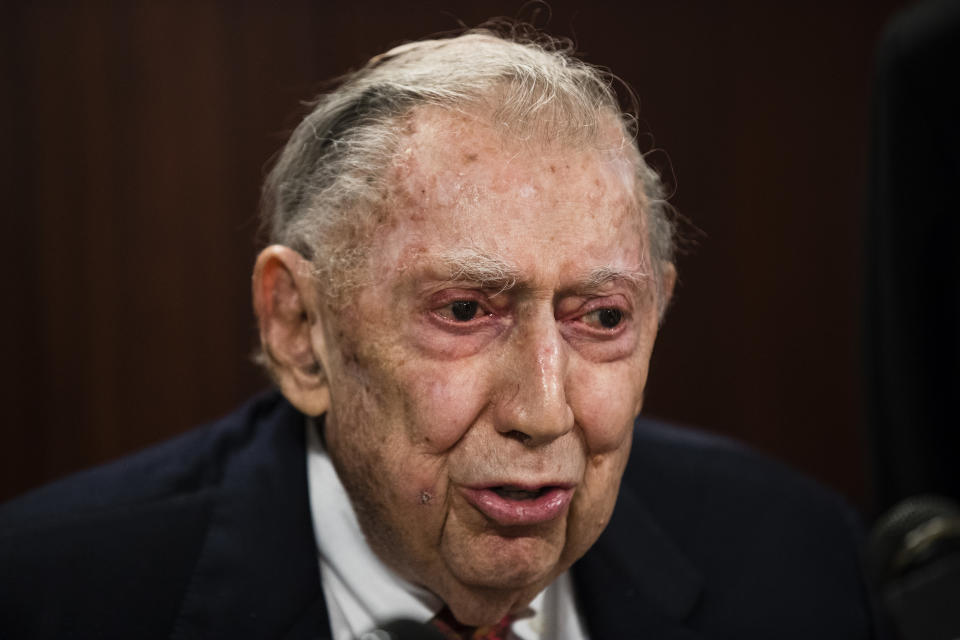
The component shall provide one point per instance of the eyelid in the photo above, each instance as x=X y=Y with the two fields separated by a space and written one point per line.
x=624 y=318
x=438 y=307
x=578 y=319
x=483 y=297
x=595 y=303
x=448 y=306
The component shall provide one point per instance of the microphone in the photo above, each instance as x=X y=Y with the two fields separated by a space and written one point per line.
x=404 y=630
x=913 y=558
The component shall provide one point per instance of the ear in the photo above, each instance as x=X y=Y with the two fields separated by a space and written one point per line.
x=286 y=301
x=669 y=275
x=668 y=280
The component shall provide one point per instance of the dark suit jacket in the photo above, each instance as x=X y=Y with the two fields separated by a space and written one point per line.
x=210 y=535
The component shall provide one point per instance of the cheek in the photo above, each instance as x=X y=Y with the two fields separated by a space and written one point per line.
x=605 y=400
x=594 y=502
x=443 y=403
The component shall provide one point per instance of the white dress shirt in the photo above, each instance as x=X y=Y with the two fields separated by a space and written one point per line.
x=362 y=592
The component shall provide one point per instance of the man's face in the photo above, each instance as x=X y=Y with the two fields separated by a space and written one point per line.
x=484 y=382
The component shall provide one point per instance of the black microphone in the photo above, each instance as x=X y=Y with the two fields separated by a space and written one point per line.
x=404 y=630
x=913 y=559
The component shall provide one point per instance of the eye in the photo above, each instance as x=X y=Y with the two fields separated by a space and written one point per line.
x=605 y=318
x=462 y=310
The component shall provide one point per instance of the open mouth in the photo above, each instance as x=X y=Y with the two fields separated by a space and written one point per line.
x=510 y=505
x=514 y=493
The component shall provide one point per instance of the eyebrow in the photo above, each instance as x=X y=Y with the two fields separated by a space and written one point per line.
x=494 y=272
x=489 y=270
x=602 y=275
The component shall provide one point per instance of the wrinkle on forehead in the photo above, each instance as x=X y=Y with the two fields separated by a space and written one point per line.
x=458 y=175
x=462 y=138
x=465 y=140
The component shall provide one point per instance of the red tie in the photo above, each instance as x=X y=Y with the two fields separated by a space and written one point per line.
x=453 y=630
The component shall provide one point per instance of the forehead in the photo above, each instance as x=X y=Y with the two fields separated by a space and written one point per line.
x=457 y=181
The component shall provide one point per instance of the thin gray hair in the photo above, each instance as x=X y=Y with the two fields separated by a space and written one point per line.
x=324 y=195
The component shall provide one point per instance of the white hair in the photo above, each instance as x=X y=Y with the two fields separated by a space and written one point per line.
x=322 y=196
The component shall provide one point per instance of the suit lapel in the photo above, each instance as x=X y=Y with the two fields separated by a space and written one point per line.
x=257 y=573
x=634 y=582
x=312 y=624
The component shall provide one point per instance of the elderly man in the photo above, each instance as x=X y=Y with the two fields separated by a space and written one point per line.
x=470 y=260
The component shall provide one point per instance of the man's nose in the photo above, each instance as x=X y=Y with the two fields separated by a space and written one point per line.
x=533 y=404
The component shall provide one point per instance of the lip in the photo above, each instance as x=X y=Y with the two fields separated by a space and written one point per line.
x=551 y=504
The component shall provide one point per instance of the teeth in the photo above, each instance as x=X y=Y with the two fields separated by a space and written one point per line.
x=517 y=494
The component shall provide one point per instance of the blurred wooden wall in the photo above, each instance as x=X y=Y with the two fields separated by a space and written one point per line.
x=136 y=135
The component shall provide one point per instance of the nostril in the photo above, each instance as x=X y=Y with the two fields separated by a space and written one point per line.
x=517 y=435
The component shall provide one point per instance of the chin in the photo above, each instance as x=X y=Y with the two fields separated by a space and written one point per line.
x=477 y=605
x=495 y=562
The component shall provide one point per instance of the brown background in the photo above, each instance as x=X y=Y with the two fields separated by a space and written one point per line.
x=136 y=136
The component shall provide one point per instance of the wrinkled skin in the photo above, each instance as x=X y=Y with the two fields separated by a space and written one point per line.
x=533 y=388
